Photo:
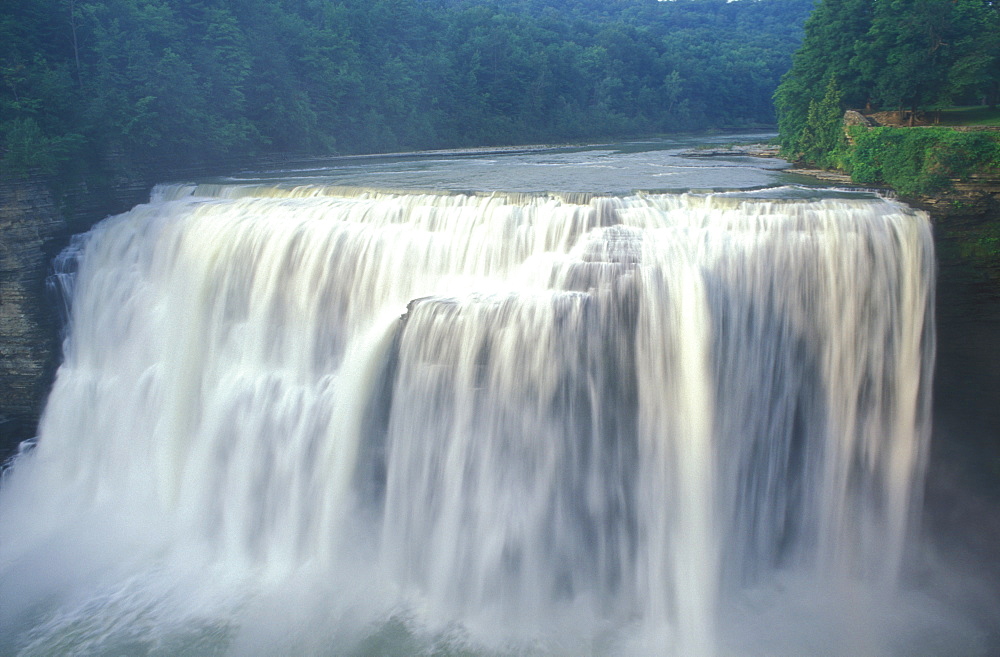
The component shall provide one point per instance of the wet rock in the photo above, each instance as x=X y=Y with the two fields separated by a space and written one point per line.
x=30 y=228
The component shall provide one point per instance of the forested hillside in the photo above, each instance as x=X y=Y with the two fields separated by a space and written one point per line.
x=893 y=55
x=123 y=83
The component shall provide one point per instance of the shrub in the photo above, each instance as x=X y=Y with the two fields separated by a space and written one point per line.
x=917 y=161
x=25 y=147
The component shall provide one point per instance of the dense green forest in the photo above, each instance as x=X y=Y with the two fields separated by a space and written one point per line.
x=104 y=84
x=891 y=55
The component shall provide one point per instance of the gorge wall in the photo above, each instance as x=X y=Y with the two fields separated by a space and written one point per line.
x=31 y=227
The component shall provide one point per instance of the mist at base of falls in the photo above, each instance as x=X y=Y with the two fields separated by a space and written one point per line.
x=320 y=421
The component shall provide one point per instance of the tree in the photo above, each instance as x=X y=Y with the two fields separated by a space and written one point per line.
x=119 y=85
x=915 y=47
x=912 y=54
x=823 y=134
x=832 y=33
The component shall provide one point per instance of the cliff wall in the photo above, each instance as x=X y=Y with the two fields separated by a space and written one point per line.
x=31 y=229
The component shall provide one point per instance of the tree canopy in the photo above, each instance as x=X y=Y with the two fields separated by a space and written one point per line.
x=125 y=83
x=893 y=54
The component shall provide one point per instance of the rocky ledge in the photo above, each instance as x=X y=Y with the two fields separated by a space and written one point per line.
x=735 y=150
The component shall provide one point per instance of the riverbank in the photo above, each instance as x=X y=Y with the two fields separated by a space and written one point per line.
x=953 y=173
x=770 y=151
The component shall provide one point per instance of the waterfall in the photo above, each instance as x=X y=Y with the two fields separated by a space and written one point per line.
x=344 y=421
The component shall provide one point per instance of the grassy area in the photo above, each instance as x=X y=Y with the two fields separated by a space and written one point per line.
x=980 y=115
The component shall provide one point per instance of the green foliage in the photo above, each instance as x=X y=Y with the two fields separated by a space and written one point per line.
x=965 y=116
x=918 y=161
x=914 y=54
x=822 y=139
x=132 y=83
x=927 y=53
x=827 y=52
x=28 y=149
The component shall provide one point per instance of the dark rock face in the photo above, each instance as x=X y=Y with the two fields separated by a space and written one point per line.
x=31 y=228
x=978 y=197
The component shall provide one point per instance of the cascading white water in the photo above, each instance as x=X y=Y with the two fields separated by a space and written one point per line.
x=327 y=421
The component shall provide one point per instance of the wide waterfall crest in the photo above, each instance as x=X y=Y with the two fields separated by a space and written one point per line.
x=315 y=419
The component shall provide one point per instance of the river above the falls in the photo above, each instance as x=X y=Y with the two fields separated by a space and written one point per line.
x=669 y=165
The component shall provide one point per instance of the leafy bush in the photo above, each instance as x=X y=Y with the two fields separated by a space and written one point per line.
x=917 y=161
x=25 y=148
